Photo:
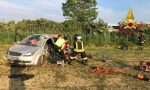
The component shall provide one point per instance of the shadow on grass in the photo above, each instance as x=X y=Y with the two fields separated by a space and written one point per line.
x=94 y=87
x=17 y=78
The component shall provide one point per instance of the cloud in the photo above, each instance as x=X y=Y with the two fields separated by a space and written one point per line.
x=7 y=7
x=109 y=15
x=10 y=11
x=113 y=16
x=52 y=10
x=51 y=3
x=142 y=14
x=33 y=9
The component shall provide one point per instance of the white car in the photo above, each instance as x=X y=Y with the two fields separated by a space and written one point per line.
x=32 y=50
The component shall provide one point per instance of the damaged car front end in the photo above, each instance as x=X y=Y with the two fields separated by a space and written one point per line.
x=30 y=51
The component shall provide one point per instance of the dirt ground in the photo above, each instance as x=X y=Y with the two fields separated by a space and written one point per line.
x=76 y=76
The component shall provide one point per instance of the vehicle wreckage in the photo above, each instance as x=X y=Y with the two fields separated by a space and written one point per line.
x=32 y=50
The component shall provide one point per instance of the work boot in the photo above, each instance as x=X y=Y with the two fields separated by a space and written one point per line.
x=141 y=48
x=84 y=62
x=68 y=62
x=60 y=63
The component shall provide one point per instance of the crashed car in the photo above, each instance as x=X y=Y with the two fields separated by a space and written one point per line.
x=32 y=50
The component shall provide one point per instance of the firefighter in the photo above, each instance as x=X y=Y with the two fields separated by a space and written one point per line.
x=141 y=40
x=66 y=49
x=59 y=47
x=79 y=49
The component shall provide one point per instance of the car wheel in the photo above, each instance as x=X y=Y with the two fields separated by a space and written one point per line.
x=41 y=60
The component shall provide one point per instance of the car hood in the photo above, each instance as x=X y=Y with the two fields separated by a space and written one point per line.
x=23 y=48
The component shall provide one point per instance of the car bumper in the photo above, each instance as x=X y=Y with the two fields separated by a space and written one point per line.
x=20 y=60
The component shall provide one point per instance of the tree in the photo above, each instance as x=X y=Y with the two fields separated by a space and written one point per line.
x=83 y=11
x=71 y=26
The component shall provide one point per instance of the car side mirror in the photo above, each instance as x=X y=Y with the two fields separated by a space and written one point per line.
x=16 y=42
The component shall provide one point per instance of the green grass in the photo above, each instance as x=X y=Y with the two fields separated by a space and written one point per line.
x=77 y=76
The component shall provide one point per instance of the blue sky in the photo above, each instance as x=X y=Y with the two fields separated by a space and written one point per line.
x=111 y=11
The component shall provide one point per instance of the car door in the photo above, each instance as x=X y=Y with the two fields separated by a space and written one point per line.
x=45 y=48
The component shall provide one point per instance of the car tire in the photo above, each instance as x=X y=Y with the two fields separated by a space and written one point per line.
x=41 y=60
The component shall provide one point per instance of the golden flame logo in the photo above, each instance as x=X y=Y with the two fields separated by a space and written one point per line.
x=130 y=22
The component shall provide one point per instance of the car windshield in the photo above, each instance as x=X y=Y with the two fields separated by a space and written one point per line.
x=33 y=40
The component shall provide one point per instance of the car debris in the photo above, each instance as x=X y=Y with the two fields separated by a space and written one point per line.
x=105 y=71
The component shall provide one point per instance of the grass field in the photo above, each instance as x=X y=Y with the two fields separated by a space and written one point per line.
x=77 y=76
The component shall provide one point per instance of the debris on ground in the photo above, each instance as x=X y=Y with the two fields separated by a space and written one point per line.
x=105 y=71
x=145 y=66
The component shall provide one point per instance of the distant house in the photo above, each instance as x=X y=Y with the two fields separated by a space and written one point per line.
x=113 y=28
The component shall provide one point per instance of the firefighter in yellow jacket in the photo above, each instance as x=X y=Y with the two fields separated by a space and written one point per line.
x=79 y=49
x=59 y=47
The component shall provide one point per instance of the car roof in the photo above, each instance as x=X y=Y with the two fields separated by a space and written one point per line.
x=47 y=36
